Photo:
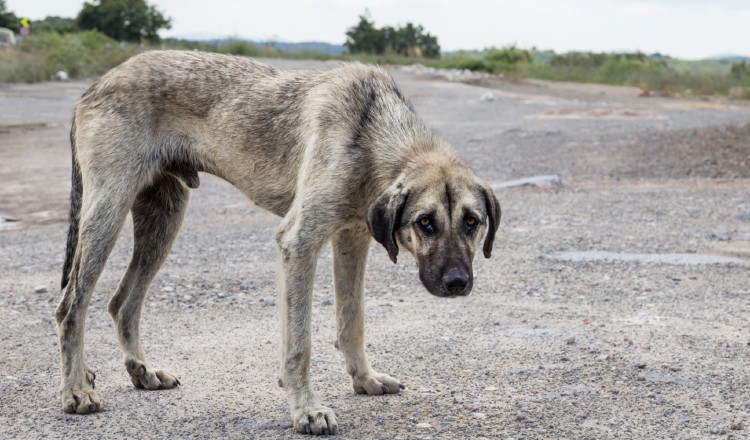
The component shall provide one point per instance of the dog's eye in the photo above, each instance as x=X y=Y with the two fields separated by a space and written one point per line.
x=425 y=224
x=470 y=224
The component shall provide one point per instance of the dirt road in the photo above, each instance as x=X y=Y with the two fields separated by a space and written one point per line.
x=616 y=304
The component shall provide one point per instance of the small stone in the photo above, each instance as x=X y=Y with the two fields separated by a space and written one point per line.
x=571 y=340
x=490 y=389
x=487 y=97
x=167 y=289
x=40 y=289
x=424 y=425
x=187 y=298
x=326 y=302
x=718 y=431
x=640 y=365
x=640 y=378
x=737 y=426
x=268 y=302
x=478 y=415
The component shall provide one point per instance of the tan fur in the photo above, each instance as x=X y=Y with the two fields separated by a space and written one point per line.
x=340 y=155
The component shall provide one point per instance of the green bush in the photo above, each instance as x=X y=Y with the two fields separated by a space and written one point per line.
x=238 y=47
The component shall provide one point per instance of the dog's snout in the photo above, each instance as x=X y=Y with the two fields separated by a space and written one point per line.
x=455 y=281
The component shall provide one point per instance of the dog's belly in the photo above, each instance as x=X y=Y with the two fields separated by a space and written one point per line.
x=269 y=180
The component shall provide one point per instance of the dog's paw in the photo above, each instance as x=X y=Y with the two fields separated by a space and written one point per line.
x=80 y=400
x=316 y=420
x=374 y=383
x=146 y=378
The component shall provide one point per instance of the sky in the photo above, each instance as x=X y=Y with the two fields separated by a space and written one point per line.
x=690 y=29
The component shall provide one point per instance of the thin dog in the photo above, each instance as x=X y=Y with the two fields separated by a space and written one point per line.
x=340 y=155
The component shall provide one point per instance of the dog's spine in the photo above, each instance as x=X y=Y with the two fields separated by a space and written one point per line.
x=76 y=195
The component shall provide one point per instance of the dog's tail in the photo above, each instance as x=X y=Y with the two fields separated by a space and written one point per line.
x=76 y=195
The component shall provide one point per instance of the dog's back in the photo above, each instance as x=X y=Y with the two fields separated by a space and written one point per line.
x=242 y=120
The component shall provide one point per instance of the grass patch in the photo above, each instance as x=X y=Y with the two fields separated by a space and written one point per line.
x=90 y=53
x=81 y=54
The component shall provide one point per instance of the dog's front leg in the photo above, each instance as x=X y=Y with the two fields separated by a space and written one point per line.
x=350 y=247
x=299 y=252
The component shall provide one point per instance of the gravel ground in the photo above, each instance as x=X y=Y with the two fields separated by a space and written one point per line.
x=545 y=347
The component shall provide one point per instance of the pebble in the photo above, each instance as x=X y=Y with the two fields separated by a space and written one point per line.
x=268 y=302
x=640 y=365
x=167 y=289
x=478 y=415
x=737 y=426
x=40 y=289
x=571 y=340
x=326 y=302
x=424 y=425
x=487 y=97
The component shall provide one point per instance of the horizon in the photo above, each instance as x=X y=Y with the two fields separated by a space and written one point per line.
x=688 y=29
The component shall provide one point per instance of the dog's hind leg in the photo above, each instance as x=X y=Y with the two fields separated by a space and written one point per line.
x=158 y=212
x=103 y=212
x=350 y=247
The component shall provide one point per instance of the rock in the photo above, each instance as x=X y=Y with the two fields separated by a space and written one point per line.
x=574 y=390
x=424 y=425
x=268 y=302
x=167 y=289
x=478 y=415
x=40 y=289
x=61 y=75
x=551 y=181
x=737 y=426
x=326 y=302
x=571 y=340
x=487 y=97
x=640 y=365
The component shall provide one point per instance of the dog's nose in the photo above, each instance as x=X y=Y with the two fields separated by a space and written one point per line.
x=455 y=281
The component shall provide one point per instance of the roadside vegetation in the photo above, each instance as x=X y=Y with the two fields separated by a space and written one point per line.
x=94 y=42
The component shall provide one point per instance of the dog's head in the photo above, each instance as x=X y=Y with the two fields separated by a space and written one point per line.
x=439 y=212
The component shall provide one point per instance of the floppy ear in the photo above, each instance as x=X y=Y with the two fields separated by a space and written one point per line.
x=384 y=219
x=492 y=206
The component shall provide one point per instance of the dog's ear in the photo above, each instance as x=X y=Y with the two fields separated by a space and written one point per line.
x=492 y=206
x=384 y=219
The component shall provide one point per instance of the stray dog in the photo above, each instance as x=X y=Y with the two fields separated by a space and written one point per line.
x=340 y=155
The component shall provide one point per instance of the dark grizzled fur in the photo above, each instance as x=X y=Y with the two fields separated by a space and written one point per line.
x=76 y=194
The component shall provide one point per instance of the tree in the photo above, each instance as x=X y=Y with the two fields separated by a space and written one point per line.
x=409 y=41
x=123 y=20
x=365 y=37
x=7 y=18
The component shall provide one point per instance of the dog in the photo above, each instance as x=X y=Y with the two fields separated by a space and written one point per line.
x=340 y=155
